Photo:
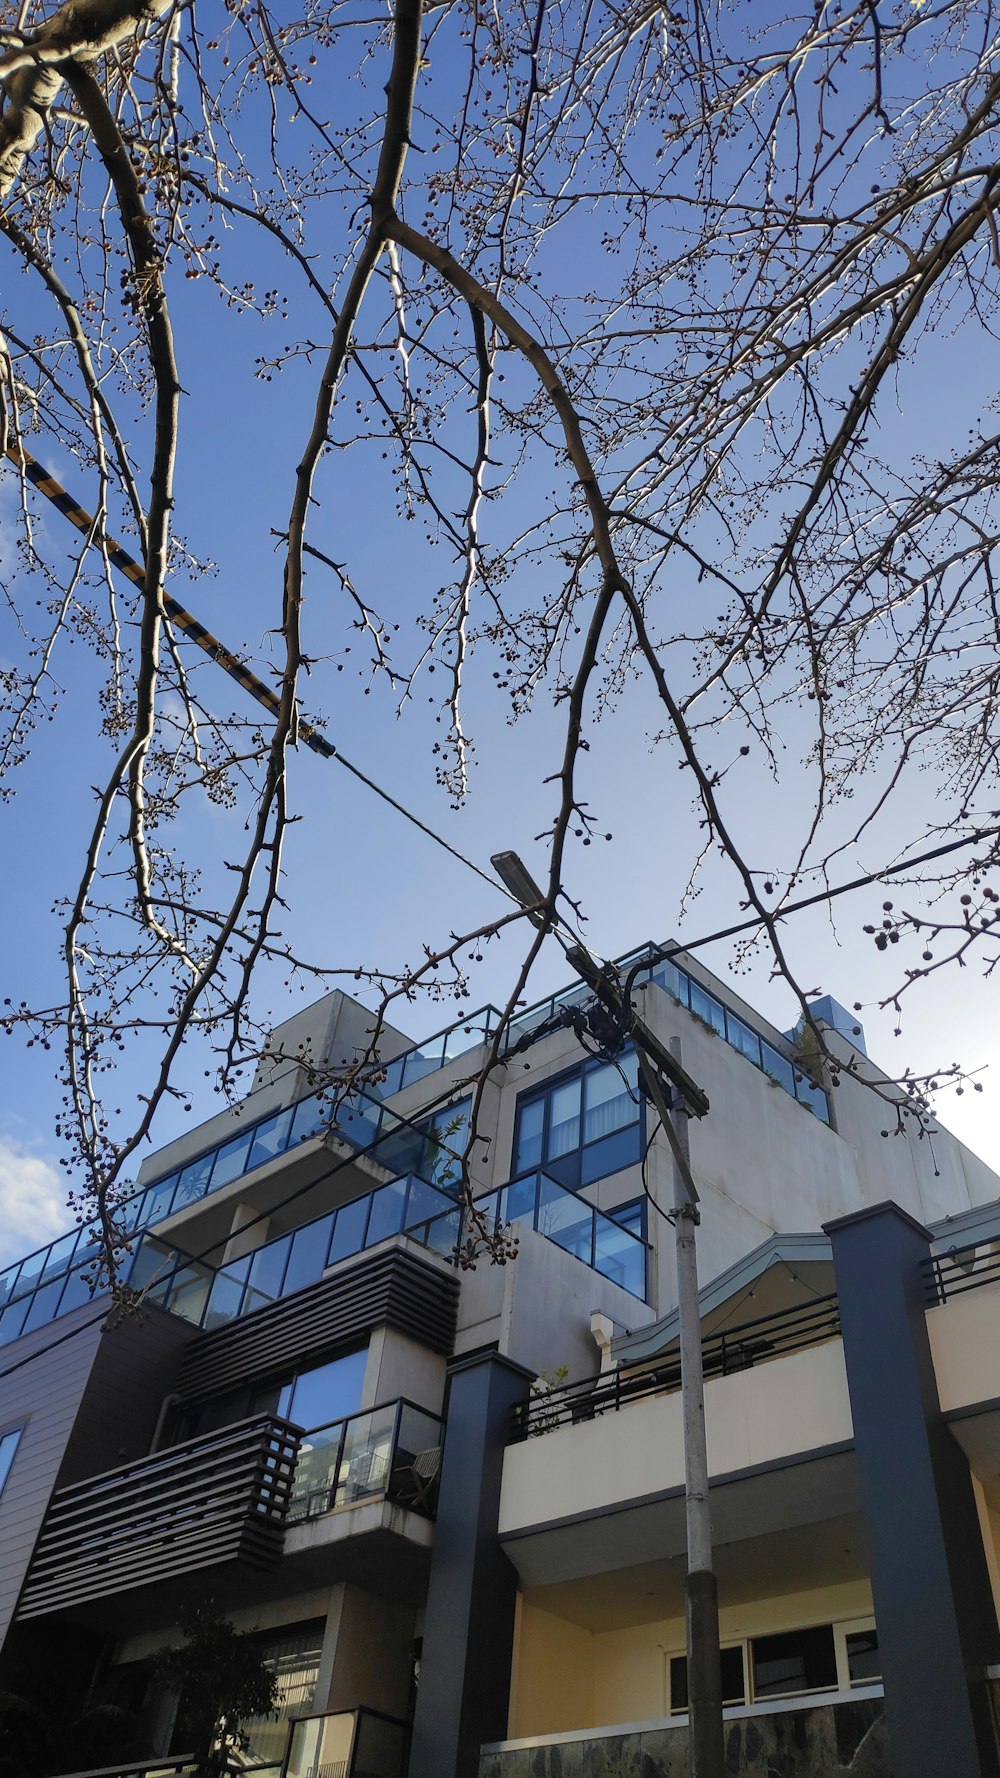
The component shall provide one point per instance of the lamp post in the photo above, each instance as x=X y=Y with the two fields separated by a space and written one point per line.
x=659 y=1065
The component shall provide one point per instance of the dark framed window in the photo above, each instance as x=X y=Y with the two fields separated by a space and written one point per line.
x=582 y=1125
x=796 y=1661
x=734 y=1684
x=863 y=1661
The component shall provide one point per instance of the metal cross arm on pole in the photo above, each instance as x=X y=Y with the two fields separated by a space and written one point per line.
x=608 y=988
x=602 y=978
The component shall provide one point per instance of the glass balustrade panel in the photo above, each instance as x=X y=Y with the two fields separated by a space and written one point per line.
x=388 y=1205
x=307 y=1256
x=316 y=1472
x=231 y=1160
x=367 y=1454
x=349 y=1229
x=566 y=1220
x=321 y=1746
x=225 y=1298
x=380 y=1747
x=618 y=1255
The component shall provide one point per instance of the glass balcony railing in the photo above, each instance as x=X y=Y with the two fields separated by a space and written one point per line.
x=211 y=1295
x=348 y=1744
x=50 y=1282
x=393 y=1451
x=573 y=1224
x=735 y=1030
x=438 y=1051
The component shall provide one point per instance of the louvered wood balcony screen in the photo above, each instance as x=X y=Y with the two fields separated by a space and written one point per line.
x=220 y=1498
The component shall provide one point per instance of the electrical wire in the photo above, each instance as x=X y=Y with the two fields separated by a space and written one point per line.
x=230 y=663
x=85 y=522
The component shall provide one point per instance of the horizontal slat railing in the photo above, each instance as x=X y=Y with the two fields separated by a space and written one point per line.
x=220 y=1498
x=738 y=1349
x=960 y=1269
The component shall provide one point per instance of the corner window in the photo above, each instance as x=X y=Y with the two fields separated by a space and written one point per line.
x=9 y=1442
x=582 y=1126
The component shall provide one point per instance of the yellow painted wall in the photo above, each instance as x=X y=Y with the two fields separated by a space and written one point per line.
x=553 y=1676
x=566 y=1678
x=989 y=1525
x=630 y=1665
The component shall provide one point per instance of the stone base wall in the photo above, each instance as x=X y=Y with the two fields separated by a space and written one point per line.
x=823 y=1741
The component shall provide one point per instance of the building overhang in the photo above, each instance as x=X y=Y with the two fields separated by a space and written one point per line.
x=789 y=1252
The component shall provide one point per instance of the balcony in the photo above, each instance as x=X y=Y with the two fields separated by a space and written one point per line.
x=723 y=1354
x=822 y=1736
x=57 y=1278
x=391 y=1452
x=572 y=1223
x=221 y=1498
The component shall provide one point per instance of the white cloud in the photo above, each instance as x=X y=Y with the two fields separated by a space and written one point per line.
x=32 y=1201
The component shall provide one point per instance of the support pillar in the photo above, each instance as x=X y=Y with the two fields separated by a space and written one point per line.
x=937 y=1625
x=464 y=1690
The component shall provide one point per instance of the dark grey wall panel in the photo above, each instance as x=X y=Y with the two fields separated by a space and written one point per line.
x=84 y=1397
x=46 y=1394
x=387 y=1288
x=469 y=1628
x=937 y=1624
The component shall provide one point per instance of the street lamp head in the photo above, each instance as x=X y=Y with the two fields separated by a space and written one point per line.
x=516 y=877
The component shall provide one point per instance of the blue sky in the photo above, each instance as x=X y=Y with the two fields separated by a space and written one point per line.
x=363 y=886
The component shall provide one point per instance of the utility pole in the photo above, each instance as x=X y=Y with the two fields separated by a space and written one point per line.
x=659 y=1065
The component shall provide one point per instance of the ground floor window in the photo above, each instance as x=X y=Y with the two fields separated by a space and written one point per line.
x=293 y=1654
x=791 y=1663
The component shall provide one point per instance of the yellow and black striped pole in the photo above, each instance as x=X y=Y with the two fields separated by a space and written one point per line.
x=133 y=570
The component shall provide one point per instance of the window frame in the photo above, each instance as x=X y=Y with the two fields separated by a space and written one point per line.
x=568 y=1167
x=841 y=1629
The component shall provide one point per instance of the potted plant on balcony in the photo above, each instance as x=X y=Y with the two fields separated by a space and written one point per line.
x=222 y=1681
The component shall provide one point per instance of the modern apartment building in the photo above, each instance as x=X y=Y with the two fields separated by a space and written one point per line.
x=448 y=1501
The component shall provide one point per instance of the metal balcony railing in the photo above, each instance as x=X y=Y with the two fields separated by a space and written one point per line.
x=392 y=1451
x=220 y=1498
x=959 y=1269
x=738 y=1349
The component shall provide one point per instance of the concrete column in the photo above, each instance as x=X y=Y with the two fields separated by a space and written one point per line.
x=937 y=1626
x=464 y=1689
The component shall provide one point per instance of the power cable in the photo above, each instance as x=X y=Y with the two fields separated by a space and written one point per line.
x=85 y=522
x=230 y=663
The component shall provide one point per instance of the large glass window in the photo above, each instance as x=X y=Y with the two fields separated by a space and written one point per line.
x=734 y=1685
x=293 y=1654
x=798 y=1661
x=582 y=1126
x=788 y=1665
x=328 y=1392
